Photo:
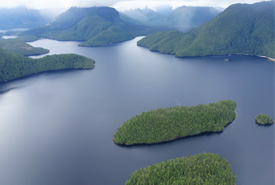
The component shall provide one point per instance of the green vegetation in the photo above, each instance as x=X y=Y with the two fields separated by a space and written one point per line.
x=96 y=26
x=171 y=123
x=206 y=169
x=14 y=66
x=240 y=29
x=264 y=119
x=20 y=47
x=28 y=38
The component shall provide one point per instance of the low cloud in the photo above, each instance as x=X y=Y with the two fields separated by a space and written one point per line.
x=119 y=4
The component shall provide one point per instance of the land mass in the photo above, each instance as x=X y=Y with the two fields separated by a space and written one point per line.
x=240 y=29
x=168 y=124
x=13 y=66
x=264 y=119
x=95 y=26
x=203 y=168
x=19 y=46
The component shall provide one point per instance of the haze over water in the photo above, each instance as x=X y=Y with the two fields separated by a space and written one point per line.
x=57 y=128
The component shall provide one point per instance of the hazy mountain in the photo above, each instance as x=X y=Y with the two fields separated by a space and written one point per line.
x=185 y=18
x=96 y=26
x=181 y=19
x=240 y=29
x=21 y=17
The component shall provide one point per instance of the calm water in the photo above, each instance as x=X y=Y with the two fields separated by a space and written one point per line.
x=57 y=128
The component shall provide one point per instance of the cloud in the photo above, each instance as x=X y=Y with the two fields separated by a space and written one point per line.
x=119 y=4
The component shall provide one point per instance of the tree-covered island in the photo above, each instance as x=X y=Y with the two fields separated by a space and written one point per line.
x=166 y=124
x=206 y=169
x=264 y=119
x=14 y=65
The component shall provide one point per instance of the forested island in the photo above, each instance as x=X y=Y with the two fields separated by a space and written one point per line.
x=166 y=124
x=14 y=65
x=264 y=119
x=206 y=169
x=240 y=29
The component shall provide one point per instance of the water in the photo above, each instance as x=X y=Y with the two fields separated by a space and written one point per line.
x=57 y=128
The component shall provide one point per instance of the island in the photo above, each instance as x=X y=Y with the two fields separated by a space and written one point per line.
x=13 y=65
x=205 y=168
x=264 y=119
x=166 y=124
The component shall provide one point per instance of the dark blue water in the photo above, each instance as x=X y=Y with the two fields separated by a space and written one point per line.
x=57 y=128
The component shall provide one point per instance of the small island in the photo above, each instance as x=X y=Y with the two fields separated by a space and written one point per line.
x=13 y=66
x=205 y=168
x=264 y=119
x=168 y=124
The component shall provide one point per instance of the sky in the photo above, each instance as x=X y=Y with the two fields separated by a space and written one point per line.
x=118 y=4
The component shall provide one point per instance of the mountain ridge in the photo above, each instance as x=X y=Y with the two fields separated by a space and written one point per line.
x=240 y=29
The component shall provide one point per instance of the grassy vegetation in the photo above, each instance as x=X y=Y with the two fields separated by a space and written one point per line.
x=20 y=47
x=264 y=119
x=206 y=169
x=14 y=66
x=240 y=29
x=171 y=123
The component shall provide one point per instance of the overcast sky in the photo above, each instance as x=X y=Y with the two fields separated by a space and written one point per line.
x=118 y=4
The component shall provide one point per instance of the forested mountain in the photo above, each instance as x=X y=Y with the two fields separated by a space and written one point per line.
x=21 y=17
x=20 y=47
x=96 y=26
x=240 y=29
x=14 y=66
x=182 y=19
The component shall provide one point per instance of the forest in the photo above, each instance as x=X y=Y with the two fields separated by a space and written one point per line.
x=20 y=47
x=205 y=168
x=14 y=65
x=264 y=119
x=165 y=124
x=240 y=29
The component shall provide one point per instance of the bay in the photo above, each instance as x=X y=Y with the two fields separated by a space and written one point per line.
x=56 y=128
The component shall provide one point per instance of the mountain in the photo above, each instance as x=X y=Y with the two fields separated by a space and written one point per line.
x=14 y=66
x=182 y=19
x=21 y=17
x=96 y=26
x=240 y=29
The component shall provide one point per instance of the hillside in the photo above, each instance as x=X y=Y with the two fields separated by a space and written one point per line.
x=14 y=66
x=96 y=26
x=21 y=17
x=20 y=47
x=240 y=29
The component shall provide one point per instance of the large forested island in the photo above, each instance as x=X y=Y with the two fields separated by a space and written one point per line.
x=240 y=29
x=14 y=65
x=264 y=119
x=206 y=169
x=167 y=124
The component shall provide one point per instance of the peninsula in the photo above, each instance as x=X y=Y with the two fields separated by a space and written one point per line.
x=13 y=66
